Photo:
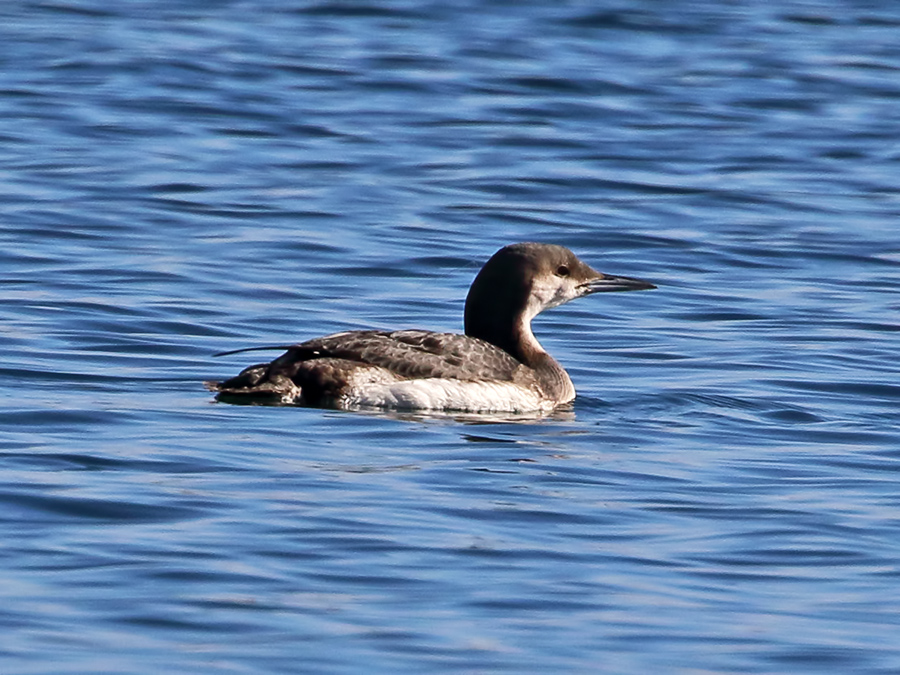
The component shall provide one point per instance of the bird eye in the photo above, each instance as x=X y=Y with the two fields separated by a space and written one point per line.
x=562 y=271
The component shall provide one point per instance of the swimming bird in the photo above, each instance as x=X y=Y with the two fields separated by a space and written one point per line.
x=497 y=366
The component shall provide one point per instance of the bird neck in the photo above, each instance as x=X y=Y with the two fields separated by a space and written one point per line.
x=497 y=314
x=507 y=325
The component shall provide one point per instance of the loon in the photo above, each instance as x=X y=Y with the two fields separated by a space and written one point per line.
x=497 y=366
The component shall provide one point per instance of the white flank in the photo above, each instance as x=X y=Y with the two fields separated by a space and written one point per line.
x=443 y=394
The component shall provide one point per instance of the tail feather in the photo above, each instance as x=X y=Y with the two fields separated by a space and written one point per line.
x=257 y=383
x=253 y=349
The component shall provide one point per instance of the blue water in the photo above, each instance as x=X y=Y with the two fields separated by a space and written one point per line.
x=183 y=178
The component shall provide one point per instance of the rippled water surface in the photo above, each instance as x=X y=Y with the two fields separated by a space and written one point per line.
x=183 y=178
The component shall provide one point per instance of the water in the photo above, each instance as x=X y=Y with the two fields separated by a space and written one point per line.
x=182 y=178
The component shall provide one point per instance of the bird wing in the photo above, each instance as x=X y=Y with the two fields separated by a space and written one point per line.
x=412 y=354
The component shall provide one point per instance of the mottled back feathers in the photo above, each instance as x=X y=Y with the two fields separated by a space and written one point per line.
x=319 y=371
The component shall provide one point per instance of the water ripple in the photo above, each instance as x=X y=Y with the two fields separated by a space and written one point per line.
x=183 y=178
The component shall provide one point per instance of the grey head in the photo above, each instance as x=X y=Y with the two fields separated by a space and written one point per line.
x=522 y=280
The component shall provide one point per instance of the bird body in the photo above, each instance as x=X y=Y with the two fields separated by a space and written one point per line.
x=497 y=366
